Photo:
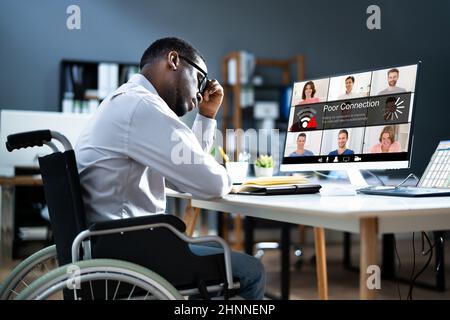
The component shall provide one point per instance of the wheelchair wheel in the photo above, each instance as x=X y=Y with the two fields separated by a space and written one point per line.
x=27 y=271
x=100 y=279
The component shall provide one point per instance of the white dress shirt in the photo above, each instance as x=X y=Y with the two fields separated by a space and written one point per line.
x=132 y=144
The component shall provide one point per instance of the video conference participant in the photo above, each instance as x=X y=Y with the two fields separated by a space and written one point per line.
x=301 y=151
x=309 y=90
x=387 y=142
x=392 y=78
x=342 y=145
x=349 y=94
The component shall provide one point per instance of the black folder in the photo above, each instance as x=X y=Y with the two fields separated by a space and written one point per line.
x=279 y=190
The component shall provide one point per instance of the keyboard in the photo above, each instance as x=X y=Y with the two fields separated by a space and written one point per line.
x=405 y=191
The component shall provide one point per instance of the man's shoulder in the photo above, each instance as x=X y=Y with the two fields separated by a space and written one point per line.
x=349 y=151
x=130 y=96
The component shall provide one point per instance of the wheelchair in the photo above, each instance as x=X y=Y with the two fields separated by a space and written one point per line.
x=135 y=258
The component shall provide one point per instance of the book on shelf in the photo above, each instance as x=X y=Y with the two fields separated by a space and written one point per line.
x=246 y=70
x=108 y=78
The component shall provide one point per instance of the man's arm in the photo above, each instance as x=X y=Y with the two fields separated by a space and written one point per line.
x=170 y=148
x=204 y=130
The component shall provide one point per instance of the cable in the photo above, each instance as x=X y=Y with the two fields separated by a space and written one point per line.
x=399 y=267
x=326 y=175
x=411 y=175
x=375 y=176
x=411 y=277
x=430 y=252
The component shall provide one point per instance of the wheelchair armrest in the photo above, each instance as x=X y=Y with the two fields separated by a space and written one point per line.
x=138 y=221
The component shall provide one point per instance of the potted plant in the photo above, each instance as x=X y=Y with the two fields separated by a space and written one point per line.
x=264 y=166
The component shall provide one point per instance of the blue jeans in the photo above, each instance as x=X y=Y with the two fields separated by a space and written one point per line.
x=249 y=270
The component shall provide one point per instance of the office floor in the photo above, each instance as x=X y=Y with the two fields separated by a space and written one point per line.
x=343 y=284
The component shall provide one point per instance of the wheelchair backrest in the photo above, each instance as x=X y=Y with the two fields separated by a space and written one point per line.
x=65 y=205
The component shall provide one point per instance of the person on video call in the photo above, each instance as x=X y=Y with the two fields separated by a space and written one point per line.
x=301 y=151
x=309 y=90
x=349 y=94
x=387 y=142
x=392 y=78
x=342 y=145
x=125 y=155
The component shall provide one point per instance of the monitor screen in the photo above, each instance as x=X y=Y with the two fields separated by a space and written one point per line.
x=360 y=120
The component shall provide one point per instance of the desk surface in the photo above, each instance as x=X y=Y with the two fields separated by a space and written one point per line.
x=395 y=214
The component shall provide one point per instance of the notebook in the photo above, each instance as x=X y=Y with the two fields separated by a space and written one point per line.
x=276 y=186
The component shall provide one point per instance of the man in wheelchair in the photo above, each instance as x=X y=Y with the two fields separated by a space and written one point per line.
x=135 y=144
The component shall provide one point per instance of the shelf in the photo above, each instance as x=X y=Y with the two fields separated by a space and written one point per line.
x=83 y=80
x=273 y=87
x=233 y=112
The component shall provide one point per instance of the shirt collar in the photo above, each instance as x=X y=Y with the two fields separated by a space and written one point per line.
x=140 y=80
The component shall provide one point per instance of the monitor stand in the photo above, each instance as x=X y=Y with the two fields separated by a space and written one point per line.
x=356 y=178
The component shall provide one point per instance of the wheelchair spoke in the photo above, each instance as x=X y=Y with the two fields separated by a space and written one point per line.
x=24 y=283
x=34 y=271
x=131 y=293
x=140 y=283
x=92 y=290
x=117 y=289
x=16 y=293
x=75 y=297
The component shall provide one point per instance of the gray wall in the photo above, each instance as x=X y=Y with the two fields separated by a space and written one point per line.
x=332 y=35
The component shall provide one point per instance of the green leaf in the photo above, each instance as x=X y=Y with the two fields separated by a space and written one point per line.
x=264 y=161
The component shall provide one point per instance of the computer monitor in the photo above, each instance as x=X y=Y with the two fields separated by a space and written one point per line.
x=358 y=120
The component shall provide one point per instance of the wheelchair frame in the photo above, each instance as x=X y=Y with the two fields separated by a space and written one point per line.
x=39 y=138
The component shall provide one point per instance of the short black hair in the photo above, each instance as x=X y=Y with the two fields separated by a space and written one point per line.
x=163 y=46
x=391 y=100
x=351 y=78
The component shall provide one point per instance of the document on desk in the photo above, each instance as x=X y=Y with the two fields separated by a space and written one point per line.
x=276 y=186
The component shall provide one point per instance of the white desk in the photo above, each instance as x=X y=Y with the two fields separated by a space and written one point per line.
x=365 y=214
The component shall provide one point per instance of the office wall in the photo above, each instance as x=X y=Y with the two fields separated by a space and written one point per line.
x=332 y=35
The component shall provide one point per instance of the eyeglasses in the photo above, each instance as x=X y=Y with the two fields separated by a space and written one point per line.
x=202 y=84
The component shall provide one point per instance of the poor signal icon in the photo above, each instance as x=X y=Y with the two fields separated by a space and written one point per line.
x=394 y=108
x=307 y=118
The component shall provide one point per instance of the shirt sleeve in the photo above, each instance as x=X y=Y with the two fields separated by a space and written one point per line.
x=204 y=129
x=170 y=148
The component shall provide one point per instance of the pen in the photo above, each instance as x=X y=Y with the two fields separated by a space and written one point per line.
x=224 y=155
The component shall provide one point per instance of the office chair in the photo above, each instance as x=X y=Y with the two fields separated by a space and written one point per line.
x=121 y=259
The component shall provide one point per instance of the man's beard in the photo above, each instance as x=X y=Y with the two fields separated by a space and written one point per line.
x=179 y=107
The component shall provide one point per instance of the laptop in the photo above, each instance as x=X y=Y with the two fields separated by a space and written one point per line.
x=434 y=182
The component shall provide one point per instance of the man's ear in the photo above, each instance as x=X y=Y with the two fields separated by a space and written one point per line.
x=173 y=60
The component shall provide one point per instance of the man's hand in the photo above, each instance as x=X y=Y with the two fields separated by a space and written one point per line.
x=212 y=99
